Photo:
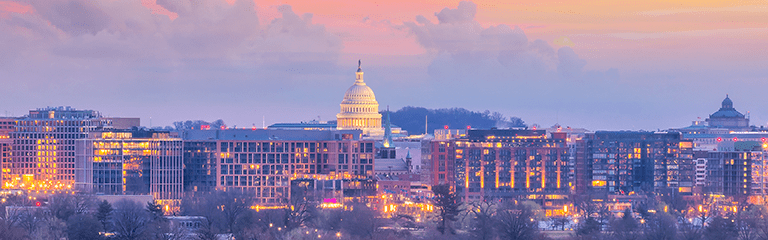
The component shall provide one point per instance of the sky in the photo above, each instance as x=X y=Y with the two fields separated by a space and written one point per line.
x=600 y=65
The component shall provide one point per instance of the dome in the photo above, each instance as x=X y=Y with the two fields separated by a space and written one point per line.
x=727 y=103
x=727 y=111
x=359 y=109
x=359 y=92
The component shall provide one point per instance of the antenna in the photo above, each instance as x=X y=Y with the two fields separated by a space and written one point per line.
x=426 y=123
x=263 y=122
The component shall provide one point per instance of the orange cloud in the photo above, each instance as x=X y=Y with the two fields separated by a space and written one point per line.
x=157 y=9
x=7 y=7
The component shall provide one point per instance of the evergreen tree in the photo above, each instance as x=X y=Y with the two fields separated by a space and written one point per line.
x=448 y=203
x=103 y=212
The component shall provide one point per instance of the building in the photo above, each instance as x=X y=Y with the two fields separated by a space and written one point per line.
x=504 y=164
x=727 y=117
x=729 y=173
x=311 y=125
x=7 y=125
x=122 y=162
x=43 y=154
x=624 y=161
x=700 y=157
x=268 y=162
x=359 y=109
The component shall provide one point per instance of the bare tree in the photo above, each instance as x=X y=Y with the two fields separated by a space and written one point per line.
x=660 y=226
x=129 y=219
x=82 y=226
x=361 y=221
x=482 y=214
x=517 y=222
x=626 y=227
x=221 y=208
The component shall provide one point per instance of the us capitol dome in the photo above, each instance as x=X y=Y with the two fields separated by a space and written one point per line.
x=359 y=109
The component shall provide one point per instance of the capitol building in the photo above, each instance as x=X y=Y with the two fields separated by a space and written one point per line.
x=359 y=109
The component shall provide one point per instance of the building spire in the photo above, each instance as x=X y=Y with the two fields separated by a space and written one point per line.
x=388 y=132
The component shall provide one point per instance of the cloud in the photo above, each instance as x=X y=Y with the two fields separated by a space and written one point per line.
x=203 y=31
x=466 y=49
x=117 y=56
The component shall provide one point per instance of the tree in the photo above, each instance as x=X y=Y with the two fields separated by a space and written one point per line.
x=63 y=205
x=747 y=222
x=687 y=230
x=517 y=222
x=103 y=212
x=660 y=226
x=720 y=228
x=222 y=209
x=29 y=220
x=482 y=224
x=83 y=226
x=8 y=231
x=301 y=209
x=361 y=221
x=447 y=203
x=51 y=228
x=129 y=220
x=589 y=228
x=626 y=227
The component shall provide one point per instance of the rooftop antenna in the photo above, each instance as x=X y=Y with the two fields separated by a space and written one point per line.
x=426 y=123
x=263 y=122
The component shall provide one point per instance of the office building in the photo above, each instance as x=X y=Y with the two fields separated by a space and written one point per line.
x=624 y=161
x=267 y=162
x=43 y=154
x=134 y=162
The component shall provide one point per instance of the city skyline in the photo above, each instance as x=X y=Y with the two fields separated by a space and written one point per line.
x=591 y=65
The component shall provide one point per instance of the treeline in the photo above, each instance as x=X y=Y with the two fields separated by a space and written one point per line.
x=81 y=217
x=192 y=124
x=412 y=119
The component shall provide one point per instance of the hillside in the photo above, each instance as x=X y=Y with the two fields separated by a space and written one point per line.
x=412 y=119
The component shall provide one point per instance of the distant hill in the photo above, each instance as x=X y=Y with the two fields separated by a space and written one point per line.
x=411 y=119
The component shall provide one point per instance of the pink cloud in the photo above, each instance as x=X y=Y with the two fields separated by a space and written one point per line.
x=157 y=9
x=7 y=7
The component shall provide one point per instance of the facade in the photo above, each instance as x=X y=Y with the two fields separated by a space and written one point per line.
x=623 y=162
x=43 y=154
x=498 y=164
x=268 y=162
x=359 y=109
x=130 y=163
x=7 y=125
x=701 y=167
x=729 y=173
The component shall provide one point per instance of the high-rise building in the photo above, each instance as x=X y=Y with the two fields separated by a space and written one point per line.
x=623 y=162
x=7 y=125
x=266 y=162
x=43 y=154
x=729 y=173
x=493 y=164
x=359 y=109
x=115 y=162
